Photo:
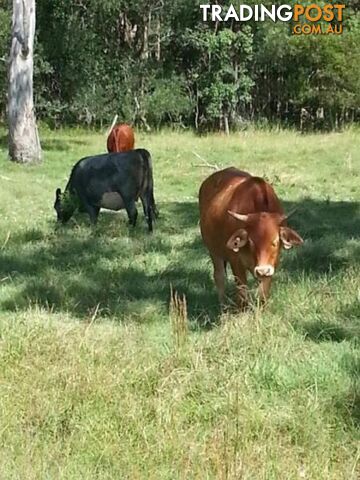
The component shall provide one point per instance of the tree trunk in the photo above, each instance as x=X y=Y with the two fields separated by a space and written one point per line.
x=24 y=143
x=158 y=39
x=226 y=124
x=145 y=50
x=197 y=110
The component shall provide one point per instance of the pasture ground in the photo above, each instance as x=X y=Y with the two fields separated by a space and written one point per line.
x=93 y=383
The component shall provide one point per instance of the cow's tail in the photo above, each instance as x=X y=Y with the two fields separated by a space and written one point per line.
x=153 y=212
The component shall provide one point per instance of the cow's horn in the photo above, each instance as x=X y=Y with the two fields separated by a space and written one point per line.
x=238 y=216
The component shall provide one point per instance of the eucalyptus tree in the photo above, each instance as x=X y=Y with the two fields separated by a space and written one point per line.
x=24 y=143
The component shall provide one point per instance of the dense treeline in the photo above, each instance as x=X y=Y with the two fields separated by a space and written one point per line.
x=155 y=62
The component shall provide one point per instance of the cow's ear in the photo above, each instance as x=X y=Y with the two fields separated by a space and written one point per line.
x=290 y=238
x=58 y=193
x=238 y=240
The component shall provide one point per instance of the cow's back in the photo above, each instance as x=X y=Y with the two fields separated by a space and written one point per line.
x=217 y=190
x=104 y=171
x=121 y=139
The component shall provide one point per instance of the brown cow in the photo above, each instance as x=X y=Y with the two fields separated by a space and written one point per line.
x=242 y=222
x=121 y=139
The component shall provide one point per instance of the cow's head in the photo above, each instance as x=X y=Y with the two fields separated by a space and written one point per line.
x=259 y=240
x=63 y=205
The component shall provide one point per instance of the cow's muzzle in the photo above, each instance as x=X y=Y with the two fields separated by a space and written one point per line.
x=262 y=271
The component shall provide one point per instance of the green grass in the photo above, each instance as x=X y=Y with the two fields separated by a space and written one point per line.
x=93 y=383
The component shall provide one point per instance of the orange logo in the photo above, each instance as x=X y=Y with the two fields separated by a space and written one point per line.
x=306 y=18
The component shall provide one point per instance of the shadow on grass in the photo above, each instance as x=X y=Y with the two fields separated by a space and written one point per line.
x=49 y=144
x=4 y=141
x=349 y=406
x=75 y=268
x=331 y=231
x=126 y=271
x=53 y=144
x=328 y=332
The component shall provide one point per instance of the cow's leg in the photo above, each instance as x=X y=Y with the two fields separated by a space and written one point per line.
x=91 y=210
x=93 y=213
x=219 y=277
x=131 y=211
x=241 y=284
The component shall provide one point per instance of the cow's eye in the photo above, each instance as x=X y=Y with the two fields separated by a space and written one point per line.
x=275 y=242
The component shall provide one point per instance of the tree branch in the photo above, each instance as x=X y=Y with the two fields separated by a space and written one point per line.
x=112 y=125
x=206 y=163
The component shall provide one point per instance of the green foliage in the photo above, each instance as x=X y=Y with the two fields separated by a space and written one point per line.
x=318 y=72
x=168 y=101
x=222 y=80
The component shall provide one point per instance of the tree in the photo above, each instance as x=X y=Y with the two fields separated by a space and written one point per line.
x=156 y=63
x=24 y=143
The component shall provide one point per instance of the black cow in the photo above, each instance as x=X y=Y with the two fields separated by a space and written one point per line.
x=113 y=181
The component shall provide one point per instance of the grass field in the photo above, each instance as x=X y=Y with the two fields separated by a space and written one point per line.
x=94 y=383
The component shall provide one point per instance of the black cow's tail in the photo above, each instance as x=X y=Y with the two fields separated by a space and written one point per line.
x=152 y=211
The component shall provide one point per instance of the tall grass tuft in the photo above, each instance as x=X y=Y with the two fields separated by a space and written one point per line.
x=178 y=318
